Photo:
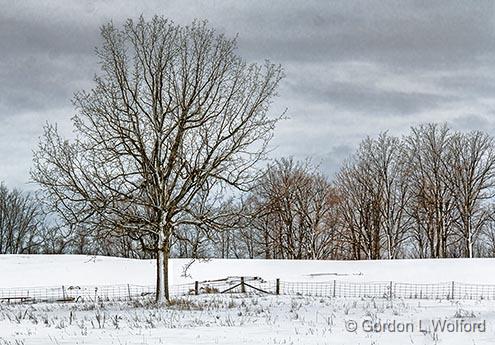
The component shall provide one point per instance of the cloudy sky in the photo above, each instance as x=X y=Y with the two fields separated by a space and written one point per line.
x=354 y=68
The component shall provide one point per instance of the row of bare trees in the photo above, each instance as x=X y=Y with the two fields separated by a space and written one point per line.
x=292 y=213
x=26 y=228
x=426 y=195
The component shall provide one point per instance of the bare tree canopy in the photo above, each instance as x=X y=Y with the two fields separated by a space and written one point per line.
x=472 y=179
x=425 y=195
x=374 y=187
x=293 y=211
x=21 y=222
x=174 y=112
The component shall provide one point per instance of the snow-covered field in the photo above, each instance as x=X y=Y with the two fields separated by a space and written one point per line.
x=48 y=270
x=245 y=319
x=253 y=319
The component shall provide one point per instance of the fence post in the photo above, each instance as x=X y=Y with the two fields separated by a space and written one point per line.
x=277 y=286
x=391 y=289
x=196 y=288
x=243 y=287
x=452 y=291
x=334 y=287
x=129 y=292
x=63 y=292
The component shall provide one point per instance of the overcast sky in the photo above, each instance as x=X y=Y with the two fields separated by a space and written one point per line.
x=354 y=68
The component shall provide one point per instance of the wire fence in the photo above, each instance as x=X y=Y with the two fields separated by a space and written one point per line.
x=76 y=293
x=391 y=290
x=335 y=288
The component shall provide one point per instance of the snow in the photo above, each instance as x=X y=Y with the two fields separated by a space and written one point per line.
x=241 y=318
x=55 y=270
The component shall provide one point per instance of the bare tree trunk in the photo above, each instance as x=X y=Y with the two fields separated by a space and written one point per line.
x=469 y=232
x=165 y=272
x=162 y=273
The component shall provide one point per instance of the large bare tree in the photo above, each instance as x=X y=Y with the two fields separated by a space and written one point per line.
x=174 y=112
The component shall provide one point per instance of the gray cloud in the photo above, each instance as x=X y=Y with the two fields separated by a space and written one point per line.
x=472 y=122
x=404 y=35
x=367 y=99
x=354 y=68
x=43 y=62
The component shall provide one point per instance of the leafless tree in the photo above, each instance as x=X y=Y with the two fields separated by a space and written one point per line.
x=293 y=213
x=174 y=112
x=373 y=187
x=22 y=228
x=425 y=195
x=214 y=237
x=391 y=168
x=486 y=240
x=433 y=205
x=472 y=180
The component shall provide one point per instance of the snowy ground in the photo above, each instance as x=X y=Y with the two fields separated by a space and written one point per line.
x=253 y=319
x=54 y=270
x=245 y=319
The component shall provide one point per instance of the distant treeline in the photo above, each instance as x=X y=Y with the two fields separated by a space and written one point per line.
x=428 y=194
